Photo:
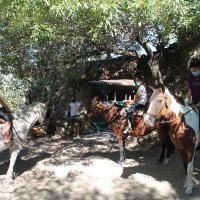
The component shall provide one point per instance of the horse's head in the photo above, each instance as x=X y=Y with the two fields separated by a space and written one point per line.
x=92 y=112
x=41 y=109
x=158 y=106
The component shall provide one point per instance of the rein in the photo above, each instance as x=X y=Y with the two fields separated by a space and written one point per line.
x=31 y=125
x=169 y=121
x=100 y=127
x=167 y=106
x=158 y=112
x=95 y=108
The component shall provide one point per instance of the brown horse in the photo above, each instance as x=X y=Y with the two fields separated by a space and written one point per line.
x=115 y=116
x=184 y=127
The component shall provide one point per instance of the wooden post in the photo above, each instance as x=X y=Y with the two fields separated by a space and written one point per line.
x=115 y=96
x=125 y=97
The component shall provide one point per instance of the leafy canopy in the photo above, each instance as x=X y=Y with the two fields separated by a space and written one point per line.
x=40 y=37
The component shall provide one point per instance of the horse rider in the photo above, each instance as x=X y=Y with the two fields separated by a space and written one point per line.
x=5 y=114
x=140 y=100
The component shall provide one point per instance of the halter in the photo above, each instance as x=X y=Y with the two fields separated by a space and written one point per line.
x=94 y=107
x=157 y=112
x=95 y=104
x=155 y=116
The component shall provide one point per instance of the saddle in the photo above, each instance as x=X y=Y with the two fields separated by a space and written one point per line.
x=120 y=104
x=139 y=112
x=2 y=121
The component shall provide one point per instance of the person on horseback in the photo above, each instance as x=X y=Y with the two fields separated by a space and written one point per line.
x=140 y=100
x=5 y=114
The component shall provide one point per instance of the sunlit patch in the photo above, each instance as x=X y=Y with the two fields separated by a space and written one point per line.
x=149 y=184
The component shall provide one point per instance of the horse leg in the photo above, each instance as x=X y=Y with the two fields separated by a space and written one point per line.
x=163 y=132
x=121 y=142
x=170 y=150
x=189 y=186
x=14 y=153
x=162 y=155
x=189 y=167
x=162 y=135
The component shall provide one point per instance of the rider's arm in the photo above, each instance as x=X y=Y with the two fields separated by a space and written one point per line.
x=137 y=98
x=4 y=105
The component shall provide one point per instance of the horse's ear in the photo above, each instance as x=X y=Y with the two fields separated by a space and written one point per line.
x=162 y=88
x=95 y=98
x=152 y=88
x=47 y=103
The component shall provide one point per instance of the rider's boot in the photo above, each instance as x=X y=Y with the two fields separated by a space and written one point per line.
x=128 y=128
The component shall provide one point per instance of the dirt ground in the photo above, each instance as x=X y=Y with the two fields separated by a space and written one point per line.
x=60 y=168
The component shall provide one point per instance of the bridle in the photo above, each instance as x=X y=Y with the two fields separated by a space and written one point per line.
x=93 y=107
x=158 y=111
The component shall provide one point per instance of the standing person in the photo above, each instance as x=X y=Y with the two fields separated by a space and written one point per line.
x=140 y=100
x=194 y=83
x=74 y=109
x=5 y=114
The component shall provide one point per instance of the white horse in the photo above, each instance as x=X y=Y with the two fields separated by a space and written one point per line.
x=24 y=119
x=184 y=128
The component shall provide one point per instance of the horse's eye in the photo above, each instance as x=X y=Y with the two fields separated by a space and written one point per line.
x=159 y=101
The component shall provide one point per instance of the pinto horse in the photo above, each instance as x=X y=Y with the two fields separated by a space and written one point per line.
x=24 y=119
x=116 y=118
x=184 y=127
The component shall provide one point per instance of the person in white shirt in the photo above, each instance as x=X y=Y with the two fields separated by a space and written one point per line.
x=74 y=109
x=140 y=100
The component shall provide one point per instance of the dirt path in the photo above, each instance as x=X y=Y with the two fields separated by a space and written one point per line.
x=60 y=168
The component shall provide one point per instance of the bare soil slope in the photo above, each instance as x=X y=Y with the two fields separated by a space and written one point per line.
x=60 y=168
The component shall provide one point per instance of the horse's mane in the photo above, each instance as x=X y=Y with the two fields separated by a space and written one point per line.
x=34 y=107
x=155 y=93
x=176 y=106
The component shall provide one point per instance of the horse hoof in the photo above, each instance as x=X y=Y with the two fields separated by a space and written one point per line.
x=10 y=181
x=159 y=161
x=121 y=162
x=166 y=162
x=188 y=191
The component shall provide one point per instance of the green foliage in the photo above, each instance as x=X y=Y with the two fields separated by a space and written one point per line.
x=40 y=37
x=12 y=90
